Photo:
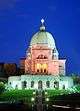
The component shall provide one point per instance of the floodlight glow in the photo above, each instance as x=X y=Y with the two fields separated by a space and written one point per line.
x=38 y=66
x=44 y=66
x=32 y=99
x=34 y=92
x=47 y=99
x=46 y=93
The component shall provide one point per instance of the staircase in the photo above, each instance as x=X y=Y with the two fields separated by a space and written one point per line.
x=39 y=100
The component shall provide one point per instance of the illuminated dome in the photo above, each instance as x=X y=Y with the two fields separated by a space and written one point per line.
x=43 y=37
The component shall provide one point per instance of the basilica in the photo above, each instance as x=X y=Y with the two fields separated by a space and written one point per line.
x=42 y=55
x=42 y=66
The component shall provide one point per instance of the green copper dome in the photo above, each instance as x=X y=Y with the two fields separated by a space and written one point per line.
x=43 y=37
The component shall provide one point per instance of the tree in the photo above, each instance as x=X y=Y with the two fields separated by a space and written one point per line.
x=76 y=79
x=10 y=69
x=2 y=87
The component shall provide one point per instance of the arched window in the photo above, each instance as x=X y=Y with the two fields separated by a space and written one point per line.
x=41 y=68
x=16 y=87
x=56 y=84
x=24 y=84
x=40 y=84
x=45 y=71
x=9 y=83
x=42 y=57
x=48 y=84
x=32 y=84
x=63 y=86
x=37 y=70
x=45 y=57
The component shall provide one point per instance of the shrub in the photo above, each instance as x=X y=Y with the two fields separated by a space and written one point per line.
x=17 y=95
x=2 y=87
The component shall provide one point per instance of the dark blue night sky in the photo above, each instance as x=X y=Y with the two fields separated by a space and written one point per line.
x=20 y=19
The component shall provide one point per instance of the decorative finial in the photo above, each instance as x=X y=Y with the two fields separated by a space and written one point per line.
x=42 y=28
x=42 y=21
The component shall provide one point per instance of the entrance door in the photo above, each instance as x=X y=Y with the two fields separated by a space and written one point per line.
x=40 y=84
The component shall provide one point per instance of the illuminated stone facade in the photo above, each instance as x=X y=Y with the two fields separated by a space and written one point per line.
x=40 y=82
x=42 y=55
x=42 y=65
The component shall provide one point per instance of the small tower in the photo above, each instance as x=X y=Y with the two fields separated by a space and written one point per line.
x=55 y=54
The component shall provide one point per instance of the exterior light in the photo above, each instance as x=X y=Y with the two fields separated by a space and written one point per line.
x=47 y=99
x=47 y=106
x=34 y=92
x=45 y=93
x=32 y=99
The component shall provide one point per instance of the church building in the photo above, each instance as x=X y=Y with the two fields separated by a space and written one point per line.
x=42 y=55
x=42 y=66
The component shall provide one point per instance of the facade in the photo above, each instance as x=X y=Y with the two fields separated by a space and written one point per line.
x=40 y=82
x=42 y=66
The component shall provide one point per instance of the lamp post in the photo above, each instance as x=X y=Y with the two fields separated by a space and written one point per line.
x=47 y=100
x=32 y=101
